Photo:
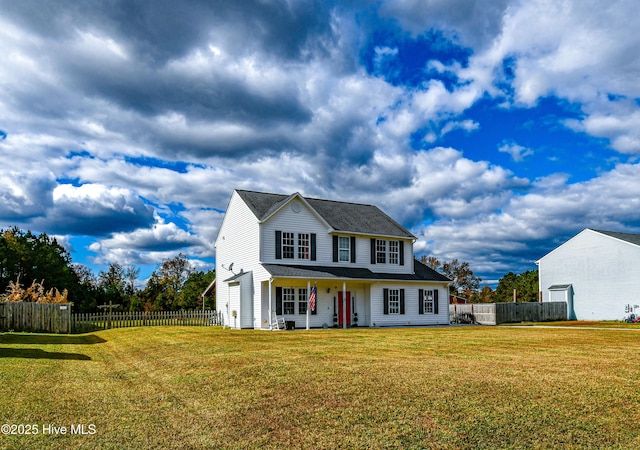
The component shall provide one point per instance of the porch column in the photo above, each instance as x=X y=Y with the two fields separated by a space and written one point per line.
x=269 y=313
x=344 y=305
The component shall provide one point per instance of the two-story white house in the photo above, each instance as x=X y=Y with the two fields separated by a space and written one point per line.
x=272 y=249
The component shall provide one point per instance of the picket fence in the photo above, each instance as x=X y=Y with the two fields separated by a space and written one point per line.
x=118 y=319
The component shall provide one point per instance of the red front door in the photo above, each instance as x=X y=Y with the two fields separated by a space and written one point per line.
x=347 y=306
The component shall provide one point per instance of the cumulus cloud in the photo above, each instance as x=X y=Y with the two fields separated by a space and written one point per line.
x=517 y=152
x=94 y=210
x=527 y=227
x=113 y=127
x=144 y=246
x=583 y=56
x=25 y=195
x=472 y=23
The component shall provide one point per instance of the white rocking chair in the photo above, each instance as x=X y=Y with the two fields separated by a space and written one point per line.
x=277 y=323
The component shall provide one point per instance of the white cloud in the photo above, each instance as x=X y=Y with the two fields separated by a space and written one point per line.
x=582 y=55
x=144 y=246
x=518 y=152
x=535 y=222
x=288 y=108
x=466 y=125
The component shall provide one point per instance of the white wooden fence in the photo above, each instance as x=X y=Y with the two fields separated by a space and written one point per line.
x=106 y=319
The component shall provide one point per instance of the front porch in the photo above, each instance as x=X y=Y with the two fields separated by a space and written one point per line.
x=339 y=303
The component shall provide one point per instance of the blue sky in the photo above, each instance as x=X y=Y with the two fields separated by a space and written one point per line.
x=493 y=130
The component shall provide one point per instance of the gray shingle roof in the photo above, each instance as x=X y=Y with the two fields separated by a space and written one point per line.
x=341 y=216
x=421 y=273
x=629 y=237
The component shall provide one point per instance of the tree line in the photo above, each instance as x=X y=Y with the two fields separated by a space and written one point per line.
x=27 y=260
x=34 y=261
x=467 y=286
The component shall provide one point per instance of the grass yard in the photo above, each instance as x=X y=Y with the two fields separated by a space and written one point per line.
x=578 y=324
x=457 y=387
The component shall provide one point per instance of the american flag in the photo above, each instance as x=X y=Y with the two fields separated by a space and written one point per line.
x=312 y=298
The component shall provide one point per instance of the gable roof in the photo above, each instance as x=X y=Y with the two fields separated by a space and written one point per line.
x=340 y=216
x=420 y=273
x=628 y=237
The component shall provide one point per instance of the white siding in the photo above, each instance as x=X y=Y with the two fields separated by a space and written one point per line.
x=246 y=302
x=602 y=270
x=233 y=290
x=245 y=242
x=411 y=315
x=237 y=243
x=305 y=221
x=363 y=246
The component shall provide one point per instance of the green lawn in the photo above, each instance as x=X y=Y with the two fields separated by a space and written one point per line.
x=204 y=387
x=578 y=324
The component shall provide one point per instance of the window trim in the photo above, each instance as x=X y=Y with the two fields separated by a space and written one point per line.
x=288 y=245
x=428 y=299
x=288 y=301
x=304 y=246
x=381 y=251
x=426 y=305
x=394 y=254
x=394 y=301
x=288 y=241
x=342 y=256
x=303 y=301
x=386 y=296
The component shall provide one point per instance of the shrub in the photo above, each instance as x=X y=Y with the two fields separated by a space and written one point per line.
x=34 y=293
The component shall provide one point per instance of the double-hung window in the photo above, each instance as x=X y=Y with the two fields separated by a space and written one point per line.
x=344 y=248
x=302 y=301
x=381 y=251
x=394 y=301
x=288 y=245
x=428 y=301
x=303 y=245
x=394 y=252
x=288 y=300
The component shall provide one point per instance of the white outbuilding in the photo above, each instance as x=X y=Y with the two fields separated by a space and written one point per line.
x=596 y=272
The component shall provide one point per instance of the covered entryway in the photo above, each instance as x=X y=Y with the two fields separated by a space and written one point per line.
x=344 y=305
